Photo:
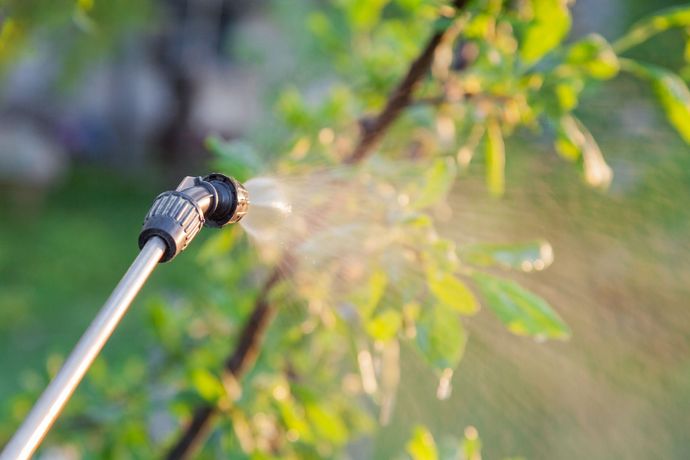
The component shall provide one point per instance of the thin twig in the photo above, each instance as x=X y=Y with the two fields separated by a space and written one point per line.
x=248 y=345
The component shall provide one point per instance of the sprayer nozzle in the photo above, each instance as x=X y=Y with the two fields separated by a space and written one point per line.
x=177 y=216
x=231 y=203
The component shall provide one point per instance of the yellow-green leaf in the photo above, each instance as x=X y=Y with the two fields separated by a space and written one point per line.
x=550 y=24
x=384 y=325
x=453 y=293
x=523 y=312
x=574 y=142
x=438 y=180
x=363 y=14
x=327 y=423
x=676 y=16
x=675 y=99
x=207 y=385
x=422 y=445
x=441 y=337
x=294 y=418
x=532 y=255
x=672 y=93
x=568 y=93
x=595 y=55
x=367 y=296
x=495 y=159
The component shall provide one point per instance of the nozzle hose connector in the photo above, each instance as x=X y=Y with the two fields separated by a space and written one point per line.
x=172 y=222
x=177 y=216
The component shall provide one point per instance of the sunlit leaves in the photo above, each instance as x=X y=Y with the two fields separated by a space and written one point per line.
x=385 y=325
x=595 y=55
x=550 y=24
x=207 y=385
x=480 y=26
x=363 y=14
x=523 y=312
x=532 y=255
x=677 y=16
x=441 y=337
x=568 y=93
x=292 y=414
x=327 y=423
x=671 y=91
x=376 y=287
x=422 y=445
x=451 y=292
x=575 y=142
x=675 y=99
x=495 y=159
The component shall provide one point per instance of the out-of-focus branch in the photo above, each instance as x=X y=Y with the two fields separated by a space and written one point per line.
x=249 y=343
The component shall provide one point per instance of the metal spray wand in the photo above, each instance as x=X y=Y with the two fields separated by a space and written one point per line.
x=172 y=222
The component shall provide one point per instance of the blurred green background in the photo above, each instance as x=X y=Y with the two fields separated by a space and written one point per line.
x=86 y=145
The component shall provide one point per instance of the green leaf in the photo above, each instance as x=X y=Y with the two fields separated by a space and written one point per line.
x=523 y=312
x=237 y=158
x=441 y=338
x=327 y=423
x=528 y=256
x=675 y=99
x=574 y=142
x=364 y=14
x=677 y=16
x=569 y=139
x=294 y=419
x=495 y=159
x=480 y=26
x=595 y=55
x=384 y=325
x=422 y=446
x=671 y=91
x=438 y=180
x=207 y=385
x=549 y=26
x=453 y=293
x=568 y=93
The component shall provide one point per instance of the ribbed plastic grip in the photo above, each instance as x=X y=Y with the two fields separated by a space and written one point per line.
x=175 y=218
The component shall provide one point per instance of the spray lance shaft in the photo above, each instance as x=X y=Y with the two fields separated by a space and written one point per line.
x=173 y=221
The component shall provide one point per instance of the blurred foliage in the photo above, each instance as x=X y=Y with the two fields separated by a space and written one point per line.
x=75 y=31
x=331 y=367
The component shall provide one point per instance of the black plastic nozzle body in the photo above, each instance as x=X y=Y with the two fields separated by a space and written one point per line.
x=177 y=216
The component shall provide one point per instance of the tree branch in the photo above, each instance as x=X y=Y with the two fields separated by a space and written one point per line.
x=248 y=345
